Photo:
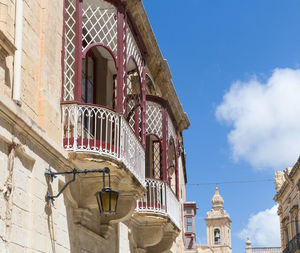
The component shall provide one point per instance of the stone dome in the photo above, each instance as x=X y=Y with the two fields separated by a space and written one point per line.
x=217 y=199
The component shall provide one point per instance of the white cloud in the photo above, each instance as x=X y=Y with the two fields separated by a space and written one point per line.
x=265 y=118
x=263 y=228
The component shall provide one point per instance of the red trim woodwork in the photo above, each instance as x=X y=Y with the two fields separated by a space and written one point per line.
x=78 y=51
x=164 y=103
x=100 y=45
x=156 y=136
x=164 y=144
x=120 y=81
x=143 y=108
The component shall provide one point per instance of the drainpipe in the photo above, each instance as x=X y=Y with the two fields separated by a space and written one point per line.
x=18 y=53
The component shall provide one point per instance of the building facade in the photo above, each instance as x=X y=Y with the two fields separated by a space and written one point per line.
x=190 y=211
x=83 y=85
x=287 y=185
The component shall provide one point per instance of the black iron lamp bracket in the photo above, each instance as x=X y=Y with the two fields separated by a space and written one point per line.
x=52 y=175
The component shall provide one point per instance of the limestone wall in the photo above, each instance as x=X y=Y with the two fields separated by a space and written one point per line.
x=41 y=60
x=28 y=223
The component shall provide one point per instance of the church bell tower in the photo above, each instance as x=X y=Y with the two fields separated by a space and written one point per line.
x=218 y=226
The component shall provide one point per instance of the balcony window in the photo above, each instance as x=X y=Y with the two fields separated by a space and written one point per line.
x=217 y=236
x=189 y=224
x=153 y=157
x=98 y=84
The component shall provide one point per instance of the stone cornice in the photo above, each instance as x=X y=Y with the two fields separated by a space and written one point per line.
x=286 y=184
x=23 y=124
x=7 y=48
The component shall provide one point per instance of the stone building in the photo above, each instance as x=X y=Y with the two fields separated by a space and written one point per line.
x=287 y=185
x=83 y=85
x=190 y=211
x=218 y=227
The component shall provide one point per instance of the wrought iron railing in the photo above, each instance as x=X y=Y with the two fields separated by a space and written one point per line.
x=160 y=199
x=293 y=245
x=96 y=129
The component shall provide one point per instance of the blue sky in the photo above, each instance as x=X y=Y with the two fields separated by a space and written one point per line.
x=249 y=51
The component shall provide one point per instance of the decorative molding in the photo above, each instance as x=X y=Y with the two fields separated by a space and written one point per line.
x=7 y=48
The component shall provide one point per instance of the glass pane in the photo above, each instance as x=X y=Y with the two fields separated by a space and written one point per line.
x=90 y=68
x=189 y=221
x=156 y=159
x=189 y=228
x=90 y=92
x=83 y=89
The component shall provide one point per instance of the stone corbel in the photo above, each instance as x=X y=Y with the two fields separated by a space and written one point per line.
x=147 y=230
x=165 y=244
x=82 y=216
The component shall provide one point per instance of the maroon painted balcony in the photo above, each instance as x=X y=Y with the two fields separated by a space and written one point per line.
x=161 y=168
x=99 y=130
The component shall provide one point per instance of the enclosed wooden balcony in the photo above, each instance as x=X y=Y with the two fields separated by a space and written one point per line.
x=103 y=94
x=158 y=212
x=161 y=165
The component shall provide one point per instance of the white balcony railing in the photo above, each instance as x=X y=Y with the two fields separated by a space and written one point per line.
x=95 y=129
x=266 y=249
x=173 y=209
x=160 y=199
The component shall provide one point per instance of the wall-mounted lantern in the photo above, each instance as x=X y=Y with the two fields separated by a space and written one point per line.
x=107 y=199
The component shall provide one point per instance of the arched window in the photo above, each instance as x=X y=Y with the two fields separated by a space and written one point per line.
x=98 y=84
x=153 y=157
x=217 y=236
x=98 y=87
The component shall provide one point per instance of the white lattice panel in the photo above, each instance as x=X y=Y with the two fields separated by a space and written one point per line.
x=69 y=59
x=153 y=119
x=99 y=24
x=171 y=130
x=133 y=50
x=131 y=120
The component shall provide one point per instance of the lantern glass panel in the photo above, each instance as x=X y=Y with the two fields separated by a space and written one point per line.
x=105 y=197
x=107 y=201
x=114 y=200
